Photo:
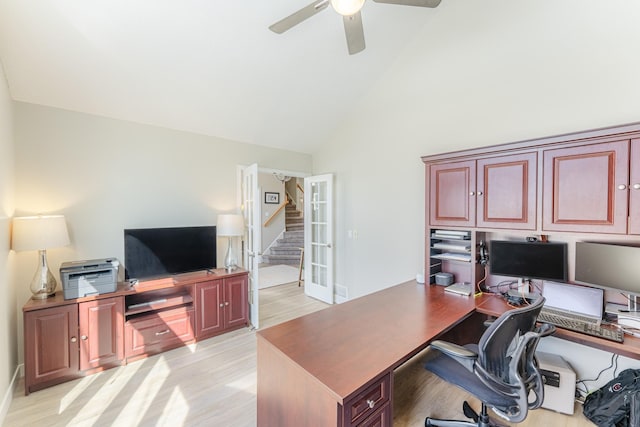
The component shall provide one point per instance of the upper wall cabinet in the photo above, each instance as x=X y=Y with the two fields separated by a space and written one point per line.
x=495 y=192
x=634 y=188
x=452 y=194
x=586 y=188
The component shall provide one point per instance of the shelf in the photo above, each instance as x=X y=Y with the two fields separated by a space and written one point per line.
x=453 y=257
x=137 y=307
x=454 y=247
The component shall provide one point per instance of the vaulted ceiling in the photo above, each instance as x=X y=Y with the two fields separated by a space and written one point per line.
x=205 y=66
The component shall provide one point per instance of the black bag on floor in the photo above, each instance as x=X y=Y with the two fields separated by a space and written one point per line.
x=611 y=405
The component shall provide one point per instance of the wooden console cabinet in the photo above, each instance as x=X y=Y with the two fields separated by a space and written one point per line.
x=67 y=339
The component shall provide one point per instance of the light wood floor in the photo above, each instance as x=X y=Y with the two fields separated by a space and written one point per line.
x=213 y=383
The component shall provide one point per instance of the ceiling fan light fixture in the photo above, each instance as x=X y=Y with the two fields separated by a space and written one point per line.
x=347 y=7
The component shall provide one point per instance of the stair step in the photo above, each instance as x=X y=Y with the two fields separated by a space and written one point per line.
x=283 y=250
x=281 y=259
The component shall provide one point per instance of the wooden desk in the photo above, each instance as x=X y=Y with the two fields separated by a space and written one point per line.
x=335 y=367
x=323 y=369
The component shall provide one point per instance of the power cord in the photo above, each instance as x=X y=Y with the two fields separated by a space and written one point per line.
x=581 y=394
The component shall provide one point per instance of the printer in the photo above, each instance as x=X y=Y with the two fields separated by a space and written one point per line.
x=89 y=277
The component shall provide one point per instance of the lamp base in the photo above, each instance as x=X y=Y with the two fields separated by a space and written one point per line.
x=43 y=285
x=230 y=261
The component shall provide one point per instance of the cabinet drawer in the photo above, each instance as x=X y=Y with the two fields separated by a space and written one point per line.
x=158 y=332
x=368 y=401
x=381 y=418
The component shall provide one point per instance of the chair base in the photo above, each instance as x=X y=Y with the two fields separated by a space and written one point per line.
x=479 y=420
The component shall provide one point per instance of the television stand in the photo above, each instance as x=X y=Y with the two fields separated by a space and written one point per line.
x=78 y=337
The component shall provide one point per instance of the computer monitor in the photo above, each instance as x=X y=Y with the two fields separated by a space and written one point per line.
x=610 y=266
x=528 y=260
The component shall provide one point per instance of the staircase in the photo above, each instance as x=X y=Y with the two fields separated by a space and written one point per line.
x=286 y=250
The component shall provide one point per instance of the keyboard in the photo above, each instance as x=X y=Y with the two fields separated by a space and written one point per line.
x=579 y=325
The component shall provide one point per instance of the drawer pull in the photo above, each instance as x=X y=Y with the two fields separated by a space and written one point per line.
x=636 y=186
x=74 y=339
x=166 y=331
x=83 y=337
x=622 y=187
x=371 y=403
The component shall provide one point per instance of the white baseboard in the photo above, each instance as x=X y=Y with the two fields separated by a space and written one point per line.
x=8 y=395
x=340 y=294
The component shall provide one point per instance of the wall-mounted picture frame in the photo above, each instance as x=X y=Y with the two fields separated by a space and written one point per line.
x=271 y=198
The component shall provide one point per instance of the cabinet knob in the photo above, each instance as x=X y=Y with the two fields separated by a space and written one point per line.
x=479 y=193
x=226 y=303
x=622 y=187
x=636 y=186
x=371 y=403
x=472 y=193
x=74 y=339
x=83 y=337
x=221 y=305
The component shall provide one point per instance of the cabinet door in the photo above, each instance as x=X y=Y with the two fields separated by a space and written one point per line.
x=101 y=325
x=634 y=189
x=506 y=192
x=51 y=347
x=236 y=304
x=452 y=199
x=585 y=188
x=209 y=308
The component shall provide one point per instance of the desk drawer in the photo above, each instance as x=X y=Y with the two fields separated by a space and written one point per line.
x=158 y=332
x=368 y=401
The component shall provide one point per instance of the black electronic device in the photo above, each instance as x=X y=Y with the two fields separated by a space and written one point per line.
x=611 y=266
x=528 y=260
x=156 y=252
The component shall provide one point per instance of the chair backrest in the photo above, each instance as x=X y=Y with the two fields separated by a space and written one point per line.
x=506 y=360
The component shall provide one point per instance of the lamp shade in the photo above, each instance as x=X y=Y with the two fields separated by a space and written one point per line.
x=230 y=225
x=39 y=232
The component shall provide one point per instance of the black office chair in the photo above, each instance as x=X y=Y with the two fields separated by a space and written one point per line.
x=501 y=370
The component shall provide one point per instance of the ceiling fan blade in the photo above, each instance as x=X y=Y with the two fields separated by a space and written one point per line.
x=354 y=32
x=420 y=3
x=299 y=16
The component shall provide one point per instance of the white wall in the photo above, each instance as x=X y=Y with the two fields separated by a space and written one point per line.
x=8 y=309
x=106 y=175
x=511 y=72
x=268 y=183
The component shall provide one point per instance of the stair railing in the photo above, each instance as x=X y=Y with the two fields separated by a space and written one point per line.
x=275 y=214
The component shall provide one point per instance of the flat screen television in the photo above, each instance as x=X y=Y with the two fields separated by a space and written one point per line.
x=610 y=266
x=528 y=260
x=157 y=252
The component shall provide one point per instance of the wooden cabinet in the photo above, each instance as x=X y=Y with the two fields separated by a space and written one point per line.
x=222 y=305
x=50 y=346
x=67 y=339
x=634 y=188
x=493 y=192
x=65 y=342
x=452 y=194
x=586 y=188
x=506 y=192
x=101 y=333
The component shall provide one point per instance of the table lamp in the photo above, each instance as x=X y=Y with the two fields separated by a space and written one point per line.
x=230 y=225
x=40 y=233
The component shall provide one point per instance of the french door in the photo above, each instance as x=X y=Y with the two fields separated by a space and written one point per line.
x=318 y=237
x=251 y=212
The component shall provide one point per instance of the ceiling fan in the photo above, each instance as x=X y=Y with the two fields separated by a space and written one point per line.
x=350 y=11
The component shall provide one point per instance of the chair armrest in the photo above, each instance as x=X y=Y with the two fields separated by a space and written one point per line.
x=460 y=354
